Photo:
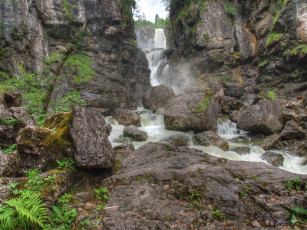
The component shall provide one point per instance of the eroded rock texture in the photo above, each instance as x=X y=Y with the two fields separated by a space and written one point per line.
x=32 y=30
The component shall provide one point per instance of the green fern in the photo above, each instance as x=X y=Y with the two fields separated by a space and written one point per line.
x=25 y=211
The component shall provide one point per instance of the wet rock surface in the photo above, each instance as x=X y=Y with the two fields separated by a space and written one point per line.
x=179 y=141
x=241 y=150
x=135 y=134
x=191 y=112
x=156 y=186
x=158 y=97
x=275 y=159
x=89 y=133
x=127 y=117
x=211 y=138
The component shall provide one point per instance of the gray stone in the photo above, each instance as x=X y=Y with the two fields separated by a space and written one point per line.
x=127 y=117
x=275 y=159
x=241 y=150
x=292 y=131
x=179 y=141
x=211 y=138
x=9 y=164
x=158 y=98
x=135 y=134
x=89 y=133
x=264 y=117
x=191 y=112
x=270 y=142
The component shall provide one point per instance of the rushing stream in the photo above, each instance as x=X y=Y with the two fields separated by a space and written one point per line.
x=153 y=124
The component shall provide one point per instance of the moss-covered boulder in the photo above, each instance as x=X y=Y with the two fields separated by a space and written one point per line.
x=40 y=147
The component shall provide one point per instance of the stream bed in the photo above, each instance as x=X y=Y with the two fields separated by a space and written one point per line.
x=153 y=124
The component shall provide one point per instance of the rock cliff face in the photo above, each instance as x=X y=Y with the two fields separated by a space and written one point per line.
x=254 y=43
x=32 y=30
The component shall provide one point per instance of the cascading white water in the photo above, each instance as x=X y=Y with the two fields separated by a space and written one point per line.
x=228 y=130
x=160 y=39
x=153 y=124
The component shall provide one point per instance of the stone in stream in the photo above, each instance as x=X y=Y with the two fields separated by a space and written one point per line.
x=270 y=142
x=195 y=111
x=127 y=117
x=179 y=141
x=135 y=134
x=211 y=138
x=241 y=150
x=275 y=159
x=159 y=96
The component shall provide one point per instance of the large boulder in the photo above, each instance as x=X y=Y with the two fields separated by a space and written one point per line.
x=211 y=138
x=90 y=133
x=228 y=104
x=135 y=134
x=127 y=117
x=12 y=99
x=22 y=115
x=292 y=131
x=241 y=150
x=158 y=97
x=275 y=159
x=159 y=184
x=40 y=147
x=195 y=111
x=264 y=117
x=9 y=164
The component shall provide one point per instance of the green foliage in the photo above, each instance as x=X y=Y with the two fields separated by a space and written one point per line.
x=82 y=64
x=273 y=38
x=24 y=212
x=37 y=183
x=12 y=121
x=244 y=193
x=68 y=8
x=11 y=148
x=102 y=194
x=133 y=43
x=218 y=214
x=196 y=196
x=62 y=216
x=263 y=63
x=300 y=49
x=204 y=106
x=230 y=10
x=65 y=103
x=299 y=216
x=206 y=37
x=295 y=184
x=67 y=163
x=271 y=95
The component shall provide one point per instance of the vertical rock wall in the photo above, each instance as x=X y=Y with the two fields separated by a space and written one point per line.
x=32 y=30
x=222 y=41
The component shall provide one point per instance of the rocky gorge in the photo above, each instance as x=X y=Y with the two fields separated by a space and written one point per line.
x=197 y=125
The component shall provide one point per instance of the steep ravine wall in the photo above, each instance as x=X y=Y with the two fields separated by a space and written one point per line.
x=32 y=30
x=258 y=44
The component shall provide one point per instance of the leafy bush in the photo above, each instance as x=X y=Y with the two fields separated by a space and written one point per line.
x=295 y=184
x=9 y=121
x=263 y=63
x=230 y=10
x=24 y=212
x=102 y=194
x=67 y=163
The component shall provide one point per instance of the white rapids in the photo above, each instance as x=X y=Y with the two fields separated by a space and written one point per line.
x=153 y=124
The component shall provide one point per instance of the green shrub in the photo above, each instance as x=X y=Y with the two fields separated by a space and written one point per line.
x=133 y=43
x=301 y=49
x=230 y=10
x=67 y=163
x=102 y=194
x=206 y=37
x=12 y=121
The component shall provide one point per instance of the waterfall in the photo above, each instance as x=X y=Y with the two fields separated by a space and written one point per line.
x=160 y=39
x=228 y=130
x=158 y=63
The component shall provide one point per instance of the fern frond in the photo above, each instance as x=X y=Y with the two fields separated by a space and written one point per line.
x=30 y=209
